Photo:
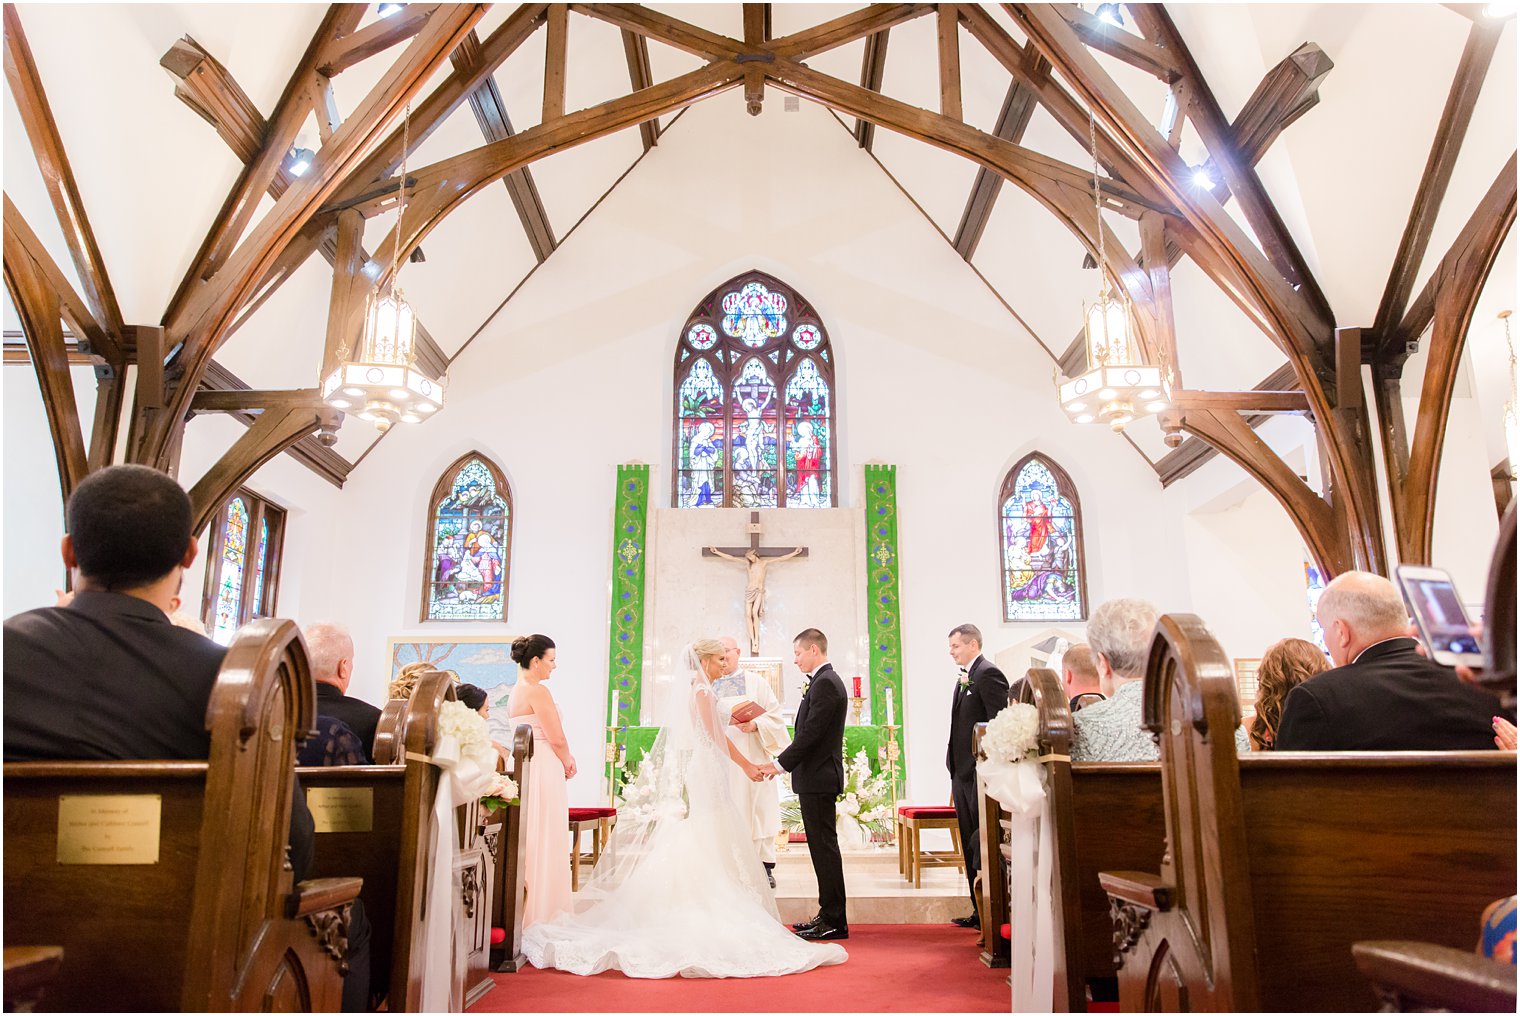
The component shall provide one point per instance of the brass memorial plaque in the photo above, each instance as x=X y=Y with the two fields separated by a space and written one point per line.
x=342 y=809
x=109 y=828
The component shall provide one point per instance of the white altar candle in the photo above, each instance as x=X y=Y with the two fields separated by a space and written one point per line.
x=614 y=721
x=890 y=715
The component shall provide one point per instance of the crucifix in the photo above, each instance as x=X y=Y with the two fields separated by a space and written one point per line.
x=757 y=559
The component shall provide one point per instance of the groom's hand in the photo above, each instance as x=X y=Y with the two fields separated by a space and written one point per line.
x=771 y=770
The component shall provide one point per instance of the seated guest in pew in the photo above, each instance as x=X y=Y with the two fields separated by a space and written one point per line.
x=476 y=698
x=146 y=683
x=331 y=649
x=405 y=681
x=1284 y=666
x=1382 y=694
x=1119 y=633
x=1079 y=673
x=334 y=744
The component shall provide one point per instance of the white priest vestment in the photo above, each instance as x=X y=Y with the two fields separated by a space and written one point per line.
x=758 y=803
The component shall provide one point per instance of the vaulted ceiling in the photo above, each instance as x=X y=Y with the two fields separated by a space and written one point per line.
x=1342 y=176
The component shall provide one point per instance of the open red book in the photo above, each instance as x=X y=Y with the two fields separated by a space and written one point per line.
x=746 y=711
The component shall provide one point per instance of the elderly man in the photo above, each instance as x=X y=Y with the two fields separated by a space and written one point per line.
x=1119 y=633
x=1381 y=695
x=760 y=740
x=331 y=650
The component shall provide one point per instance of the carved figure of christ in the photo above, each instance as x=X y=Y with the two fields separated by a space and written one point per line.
x=757 y=560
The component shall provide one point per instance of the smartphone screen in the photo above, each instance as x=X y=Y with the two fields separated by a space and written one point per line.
x=1442 y=619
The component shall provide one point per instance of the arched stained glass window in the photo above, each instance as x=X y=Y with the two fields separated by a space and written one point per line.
x=469 y=543
x=1040 y=544
x=754 y=413
x=243 y=569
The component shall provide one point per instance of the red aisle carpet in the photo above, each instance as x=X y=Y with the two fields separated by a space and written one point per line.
x=892 y=968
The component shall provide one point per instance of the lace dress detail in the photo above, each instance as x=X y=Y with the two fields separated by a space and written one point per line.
x=687 y=896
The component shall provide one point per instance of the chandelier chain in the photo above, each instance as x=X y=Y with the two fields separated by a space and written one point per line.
x=406 y=139
x=1092 y=139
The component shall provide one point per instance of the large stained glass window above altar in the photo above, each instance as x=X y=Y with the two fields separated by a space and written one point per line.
x=1040 y=541
x=754 y=406
x=469 y=543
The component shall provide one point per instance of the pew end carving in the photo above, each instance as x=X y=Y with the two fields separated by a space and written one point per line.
x=214 y=922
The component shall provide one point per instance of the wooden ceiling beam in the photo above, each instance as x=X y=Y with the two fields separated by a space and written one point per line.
x=206 y=86
x=37 y=306
x=1256 y=402
x=309 y=451
x=1485 y=229
x=20 y=240
x=491 y=114
x=845 y=29
x=1451 y=129
x=274 y=431
x=555 y=50
x=445 y=185
x=663 y=28
x=1192 y=453
x=873 y=71
x=375 y=38
x=947 y=32
x=1121 y=44
x=241 y=400
x=204 y=321
x=260 y=172
x=58 y=177
x=1266 y=224
x=636 y=52
x=1013 y=120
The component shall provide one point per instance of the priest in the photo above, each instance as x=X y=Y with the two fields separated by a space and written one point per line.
x=760 y=738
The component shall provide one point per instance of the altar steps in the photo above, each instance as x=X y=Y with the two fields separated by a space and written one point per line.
x=877 y=893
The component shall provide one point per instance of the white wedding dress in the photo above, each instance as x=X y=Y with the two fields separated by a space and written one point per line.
x=680 y=891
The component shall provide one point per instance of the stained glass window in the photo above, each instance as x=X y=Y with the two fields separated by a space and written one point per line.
x=468 y=543
x=242 y=574
x=754 y=415
x=1314 y=582
x=1040 y=543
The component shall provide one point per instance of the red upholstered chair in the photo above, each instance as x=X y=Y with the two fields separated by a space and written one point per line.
x=600 y=822
x=912 y=819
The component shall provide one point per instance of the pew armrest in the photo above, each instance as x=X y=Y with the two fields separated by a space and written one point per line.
x=1415 y=976
x=1137 y=887
x=318 y=894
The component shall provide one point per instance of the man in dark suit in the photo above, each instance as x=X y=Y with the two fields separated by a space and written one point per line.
x=331 y=649
x=980 y=694
x=1382 y=695
x=109 y=677
x=816 y=761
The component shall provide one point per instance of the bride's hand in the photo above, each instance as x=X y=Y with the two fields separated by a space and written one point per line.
x=755 y=773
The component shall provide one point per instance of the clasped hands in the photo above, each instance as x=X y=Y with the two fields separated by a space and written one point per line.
x=769 y=771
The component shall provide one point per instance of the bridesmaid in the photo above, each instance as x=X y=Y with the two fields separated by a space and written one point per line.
x=546 y=810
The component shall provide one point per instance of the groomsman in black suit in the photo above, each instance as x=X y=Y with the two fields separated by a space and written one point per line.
x=816 y=762
x=980 y=694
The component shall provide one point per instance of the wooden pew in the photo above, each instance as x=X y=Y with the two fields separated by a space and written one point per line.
x=475 y=874
x=1106 y=815
x=1279 y=863
x=505 y=834
x=216 y=923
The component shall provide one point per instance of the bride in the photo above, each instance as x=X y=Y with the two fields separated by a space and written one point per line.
x=681 y=890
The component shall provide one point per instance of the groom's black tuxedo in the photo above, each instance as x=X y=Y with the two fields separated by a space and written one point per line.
x=815 y=760
x=815 y=757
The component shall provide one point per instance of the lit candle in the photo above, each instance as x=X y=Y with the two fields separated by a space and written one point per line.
x=856 y=679
x=891 y=717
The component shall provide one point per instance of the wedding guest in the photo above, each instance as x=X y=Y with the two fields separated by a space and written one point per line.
x=331 y=650
x=405 y=681
x=546 y=809
x=1120 y=634
x=1079 y=674
x=334 y=744
x=1285 y=666
x=475 y=697
x=1381 y=695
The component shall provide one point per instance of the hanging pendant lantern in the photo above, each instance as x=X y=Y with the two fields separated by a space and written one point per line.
x=1118 y=385
x=383 y=384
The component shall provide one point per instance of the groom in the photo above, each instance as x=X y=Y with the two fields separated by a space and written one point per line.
x=816 y=762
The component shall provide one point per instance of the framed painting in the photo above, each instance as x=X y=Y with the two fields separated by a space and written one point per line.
x=482 y=660
x=1245 y=683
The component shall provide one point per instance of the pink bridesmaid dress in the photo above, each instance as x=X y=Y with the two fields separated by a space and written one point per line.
x=546 y=813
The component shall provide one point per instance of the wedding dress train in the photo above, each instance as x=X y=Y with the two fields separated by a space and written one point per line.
x=680 y=891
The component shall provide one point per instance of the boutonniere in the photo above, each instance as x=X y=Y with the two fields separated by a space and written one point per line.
x=807 y=682
x=965 y=681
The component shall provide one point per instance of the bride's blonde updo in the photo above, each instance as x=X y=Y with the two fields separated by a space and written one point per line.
x=708 y=647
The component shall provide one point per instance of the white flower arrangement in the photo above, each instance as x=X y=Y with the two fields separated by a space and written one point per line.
x=866 y=799
x=1012 y=735
x=466 y=726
